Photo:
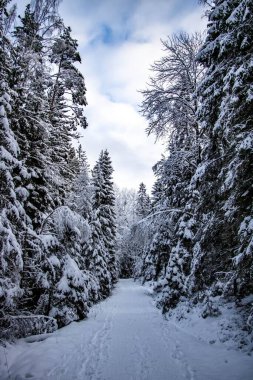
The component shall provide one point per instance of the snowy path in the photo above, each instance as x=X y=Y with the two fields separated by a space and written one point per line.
x=124 y=338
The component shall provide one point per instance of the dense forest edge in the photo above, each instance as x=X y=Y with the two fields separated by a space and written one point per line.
x=67 y=234
x=57 y=223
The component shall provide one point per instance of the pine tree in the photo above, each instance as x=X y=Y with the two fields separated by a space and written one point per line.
x=12 y=214
x=98 y=254
x=203 y=188
x=44 y=273
x=143 y=202
x=225 y=174
x=102 y=247
x=108 y=217
x=80 y=198
x=30 y=122
x=29 y=79
x=66 y=280
x=66 y=103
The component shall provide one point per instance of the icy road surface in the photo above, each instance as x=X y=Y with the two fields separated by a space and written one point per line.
x=124 y=338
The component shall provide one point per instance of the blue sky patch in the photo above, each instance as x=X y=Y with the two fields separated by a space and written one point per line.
x=106 y=35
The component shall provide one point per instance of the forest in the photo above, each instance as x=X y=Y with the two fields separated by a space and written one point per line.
x=67 y=233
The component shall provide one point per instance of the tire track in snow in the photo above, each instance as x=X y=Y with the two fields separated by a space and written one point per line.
x=177 y=353
x=97 y=352
x=143 y=353
x=89 y=353
x=141 y=359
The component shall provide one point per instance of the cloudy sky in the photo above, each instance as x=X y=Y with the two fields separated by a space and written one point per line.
x=118 y=41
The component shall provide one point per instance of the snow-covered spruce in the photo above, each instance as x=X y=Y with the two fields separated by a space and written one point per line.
x=48 y=276
x=204 y=248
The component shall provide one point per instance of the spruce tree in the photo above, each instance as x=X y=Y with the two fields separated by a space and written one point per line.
x=225 y=174
x=98 y=254
x=108 y=217
x=143 y=202
x=30 y=121
x=12 y=215
x=203 y=190
x=66 y=114
x=44 y=272
x=80 y=197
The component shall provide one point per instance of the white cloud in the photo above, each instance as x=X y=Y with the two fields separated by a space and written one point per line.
x=118 y=127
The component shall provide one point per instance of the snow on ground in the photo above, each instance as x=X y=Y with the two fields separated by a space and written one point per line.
x=124 y=338
x=229 y=328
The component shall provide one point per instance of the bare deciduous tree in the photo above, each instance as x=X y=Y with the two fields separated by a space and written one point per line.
x=169 y=100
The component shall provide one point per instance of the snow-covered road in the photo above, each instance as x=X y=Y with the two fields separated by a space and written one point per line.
x=124 y=338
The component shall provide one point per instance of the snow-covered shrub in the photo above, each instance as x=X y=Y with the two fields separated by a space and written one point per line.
x=68 y=225
x=19 y=326
x=210 y=309
x=70 y=296
x=72 y=284
x=250 y=320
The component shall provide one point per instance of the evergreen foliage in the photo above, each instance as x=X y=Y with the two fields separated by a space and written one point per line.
x=170 y=107
x=57 y=227
x=104 y=228
x=143 y=202
x=12 y=214
x=200 y=99
x=225 y=115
